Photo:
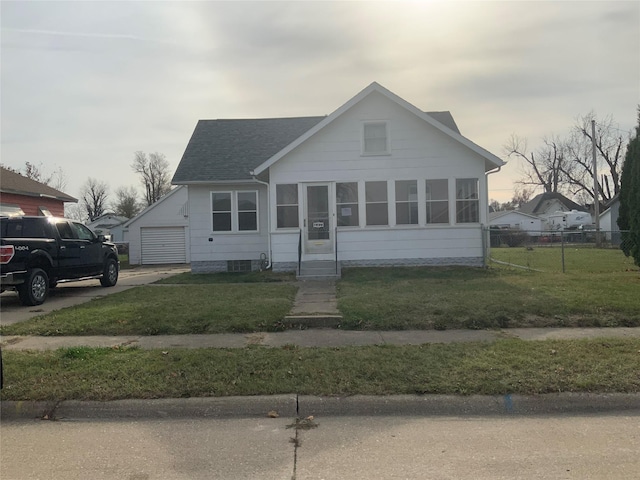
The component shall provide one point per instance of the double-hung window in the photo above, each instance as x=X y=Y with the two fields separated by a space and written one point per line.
x=467 y=200
x=287 y=205
x=376 y=203
x=247 y=203
x=234 y=211
x=437 y=194
x=221 y=206
x=347 y=204
x=375 y=138
x=406 y=202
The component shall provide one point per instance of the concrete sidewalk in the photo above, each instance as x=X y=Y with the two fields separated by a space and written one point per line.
x=314 y=338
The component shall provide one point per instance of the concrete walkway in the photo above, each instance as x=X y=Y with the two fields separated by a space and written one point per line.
x=314 y=338
x=315 y=305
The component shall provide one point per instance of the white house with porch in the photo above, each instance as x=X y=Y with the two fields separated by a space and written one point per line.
x=376 y=182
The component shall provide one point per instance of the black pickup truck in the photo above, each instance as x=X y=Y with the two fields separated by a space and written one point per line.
x=38 y=252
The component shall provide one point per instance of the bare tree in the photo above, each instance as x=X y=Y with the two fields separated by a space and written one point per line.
x=75 y=211
x=543 y=168
x=565 y=165
x=94 y=197
x=126 y=203
x=610 y=148
x=521 y=196
x=154 y=173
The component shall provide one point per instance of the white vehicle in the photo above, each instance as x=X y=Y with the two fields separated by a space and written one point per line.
x=572 y=220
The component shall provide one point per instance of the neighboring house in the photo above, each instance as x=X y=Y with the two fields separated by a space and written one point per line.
x=20 y=195
x=377 y=182
x=546 y=205
x=160 y=234
x=515 y=219
x=609 y=220
x=104 y=224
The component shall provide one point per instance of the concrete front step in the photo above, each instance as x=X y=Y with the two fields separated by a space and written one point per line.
x=313 y=321
x=319 y=269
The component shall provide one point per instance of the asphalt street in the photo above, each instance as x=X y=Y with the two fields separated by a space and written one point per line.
x=339 y=447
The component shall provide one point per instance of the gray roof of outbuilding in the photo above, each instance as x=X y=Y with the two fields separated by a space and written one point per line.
x=227 y=150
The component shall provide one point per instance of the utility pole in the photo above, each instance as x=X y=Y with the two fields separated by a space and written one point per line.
x=596 y=192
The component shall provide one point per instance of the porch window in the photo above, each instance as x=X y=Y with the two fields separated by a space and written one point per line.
x=375 y=138
x=467 y=200
x=376 y=203
x=287 y=205
x=437 y=201
x=221 y=207
x=247 y=211
x=406 y=202
x=347 y=204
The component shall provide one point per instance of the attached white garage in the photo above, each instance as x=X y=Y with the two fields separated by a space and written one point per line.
x=163 y=245
x=160 y=233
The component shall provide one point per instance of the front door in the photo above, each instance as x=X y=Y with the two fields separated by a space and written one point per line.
x=317 y=219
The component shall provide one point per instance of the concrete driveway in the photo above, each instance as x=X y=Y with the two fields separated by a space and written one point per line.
x=74 y=293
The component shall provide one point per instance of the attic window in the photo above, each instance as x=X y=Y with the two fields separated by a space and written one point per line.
x=375 y=139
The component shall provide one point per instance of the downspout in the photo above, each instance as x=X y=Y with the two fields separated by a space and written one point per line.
x=486 y=239
x=251 y=172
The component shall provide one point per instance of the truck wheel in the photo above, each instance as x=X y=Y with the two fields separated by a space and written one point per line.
x=110 y=273
x=36 y=288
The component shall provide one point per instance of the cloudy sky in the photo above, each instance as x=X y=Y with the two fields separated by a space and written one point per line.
x=86 y=84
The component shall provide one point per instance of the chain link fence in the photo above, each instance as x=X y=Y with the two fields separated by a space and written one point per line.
x=559 y=251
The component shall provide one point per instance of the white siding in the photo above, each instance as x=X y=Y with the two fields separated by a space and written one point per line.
x=418 y=152
x=169 y=211
x=207 y=246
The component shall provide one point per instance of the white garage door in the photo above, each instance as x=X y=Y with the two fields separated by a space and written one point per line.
x=163 y=245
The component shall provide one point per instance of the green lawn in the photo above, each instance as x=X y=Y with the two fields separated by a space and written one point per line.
x=577 y=259
x=603 y=292
x=445 y=298
x=506 y=366
x=164 y=310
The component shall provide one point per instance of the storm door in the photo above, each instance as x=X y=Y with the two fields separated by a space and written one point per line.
x=318 y=232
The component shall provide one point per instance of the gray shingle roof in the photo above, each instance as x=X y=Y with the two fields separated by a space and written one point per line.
x=12 y=182
x=222 y=150
x=534 y=206
x=227 y=150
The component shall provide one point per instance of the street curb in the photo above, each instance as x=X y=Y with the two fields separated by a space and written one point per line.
x=452 y=405
x=290 y=406
x=213 y=407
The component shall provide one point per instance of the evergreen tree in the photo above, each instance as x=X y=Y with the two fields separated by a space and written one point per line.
x=629 y=216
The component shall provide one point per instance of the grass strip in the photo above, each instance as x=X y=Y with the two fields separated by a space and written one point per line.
x=505 y=366
x=168 y=310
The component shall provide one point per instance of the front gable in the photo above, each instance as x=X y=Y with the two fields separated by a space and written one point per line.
x=376 y=104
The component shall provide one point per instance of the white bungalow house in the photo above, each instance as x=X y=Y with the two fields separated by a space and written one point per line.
x=376 y=182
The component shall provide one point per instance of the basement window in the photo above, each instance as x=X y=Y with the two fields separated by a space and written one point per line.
x=238 y=266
